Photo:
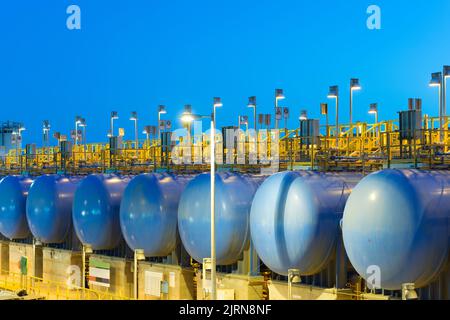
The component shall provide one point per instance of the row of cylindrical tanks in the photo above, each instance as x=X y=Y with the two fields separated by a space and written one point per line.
x=394 y=220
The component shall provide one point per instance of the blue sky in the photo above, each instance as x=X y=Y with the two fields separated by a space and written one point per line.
x=135 y=55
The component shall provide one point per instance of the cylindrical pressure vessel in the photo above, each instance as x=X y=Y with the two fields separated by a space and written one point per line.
x=295 y=218
x=233 y=197
x=148 y=213
x=13 y=196
x=96 y=210
x=49 y=207
x=396 y=227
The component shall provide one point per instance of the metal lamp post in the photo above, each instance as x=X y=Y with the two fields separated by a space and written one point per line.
x=114 y=116
x=21 y=128
x=83 y=137
x=188 y=111
x=217 y=104
x=147 y=131
x=161 y=110
x=188 y=117
x=444 y=92
x=279 y=95
x=436 y=81
x=46 y=134
x=324 y=112
x=252 y=104
x=373 y=109
x=354 y=86
x=134 y=118
x=83 y=125
x=334 y=94
x=77 y=122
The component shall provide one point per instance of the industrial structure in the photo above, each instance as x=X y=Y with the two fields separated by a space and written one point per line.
x=350 y=211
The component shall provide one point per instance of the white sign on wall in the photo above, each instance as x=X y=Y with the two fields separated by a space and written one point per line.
x=153 y=283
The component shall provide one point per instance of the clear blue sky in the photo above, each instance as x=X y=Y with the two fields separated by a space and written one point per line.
x=135 y=55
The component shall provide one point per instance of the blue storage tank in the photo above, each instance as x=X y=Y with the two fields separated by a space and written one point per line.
x=398 y=221
x=96 y=210
x=295 y=216
x=148 y=213
x=13 y=196
x=49 y=207
x=234 y=194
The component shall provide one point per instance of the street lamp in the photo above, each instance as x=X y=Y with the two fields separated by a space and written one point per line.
x=188 y=117
x=444 y=102
x=161 y=110
x=324 y=112
x=354 y=86
x=436 y=81
x=252 y=104
x=279 y=95
x=147 y=131
x=187 y=112
x=373 y=109
x=46 y=132
x=83 y=125
x=77 y=122
x=243 y=120
x=303 y=115
x=334 y=94
x=217 y=104
x=18 y=135
x=114 y=116
x=134 y=118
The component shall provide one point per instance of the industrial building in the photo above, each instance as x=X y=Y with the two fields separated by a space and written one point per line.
x=356 y=211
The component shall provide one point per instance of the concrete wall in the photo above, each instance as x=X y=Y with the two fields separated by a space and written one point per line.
x=180 y=285
x=279 y=291
x=16 y=252
x=245 y=287
x=4 y=256
x=58 y=265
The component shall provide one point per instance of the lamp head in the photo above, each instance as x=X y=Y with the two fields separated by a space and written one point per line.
x=436 y=79
x=334 y=92
x=133 y=116
x=82 y=122
x=162 y=109
x=446 y=72
x=303 y=115
x=251 y=102
x=217 y=102
x=354 y=84
x=187 y=117
x=46 y=125
x=147 y=130
x=114 y=115
x=373 y=109
x=279 y=94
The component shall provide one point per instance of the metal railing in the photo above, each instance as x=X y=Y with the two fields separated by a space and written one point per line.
x=51 y=290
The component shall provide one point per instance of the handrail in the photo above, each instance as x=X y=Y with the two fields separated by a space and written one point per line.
x=52 y=290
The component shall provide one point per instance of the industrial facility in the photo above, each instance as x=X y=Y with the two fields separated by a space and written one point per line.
x=329 y=211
